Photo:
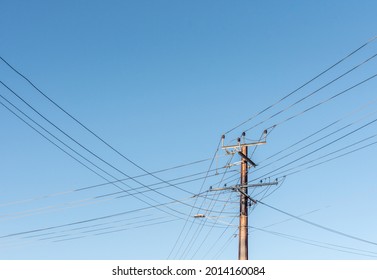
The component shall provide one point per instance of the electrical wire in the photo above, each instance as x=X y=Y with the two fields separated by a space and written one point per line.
x=218 y=240
x=331 y=159
x=318 y=225
x=312 y=93
x=86 y=128
x=199 y=227
x=303 y=85
x=322 y=129
x=209 y=231
x=70 y=191
x=102 y=160
x=318 y=140
x=88 y=220
x=325 y=100
x=86 y=201
x=226 y=245
x=324 y=146
x=44 y=136
x=318 y=244
x=67 y=152
x=191 y=210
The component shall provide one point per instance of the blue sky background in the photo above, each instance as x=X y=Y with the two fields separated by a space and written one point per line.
x=161 y=81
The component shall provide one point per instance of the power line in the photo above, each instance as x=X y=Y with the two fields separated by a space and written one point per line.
x=155 y=172
x=65 y=235
x=318 y=225
x=90 y=201
x=98 y=157
x=87 y=227
x=318 y=243
x=312 y=93
x=88 y=220
x=325 y=100
x=331 y=159
x=70 y=148
x=226 y=245
x=195 y=201
x=86 y=128
x=127 y=226
x=199 y=227
x=56 y=138
x=320 y=130
x=210 y=231
x=324 y=146
x=111 y=182
x=318 y=140
x=218 y=239
x=303 y=85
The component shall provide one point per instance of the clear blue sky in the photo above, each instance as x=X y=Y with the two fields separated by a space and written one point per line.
x=161 y=81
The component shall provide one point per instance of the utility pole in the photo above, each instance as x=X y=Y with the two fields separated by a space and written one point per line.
x=242 y=189
x=242 y=150
x=243 y=240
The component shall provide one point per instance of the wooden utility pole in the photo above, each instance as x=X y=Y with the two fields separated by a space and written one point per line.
x=243 y=245
x=243 y=232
